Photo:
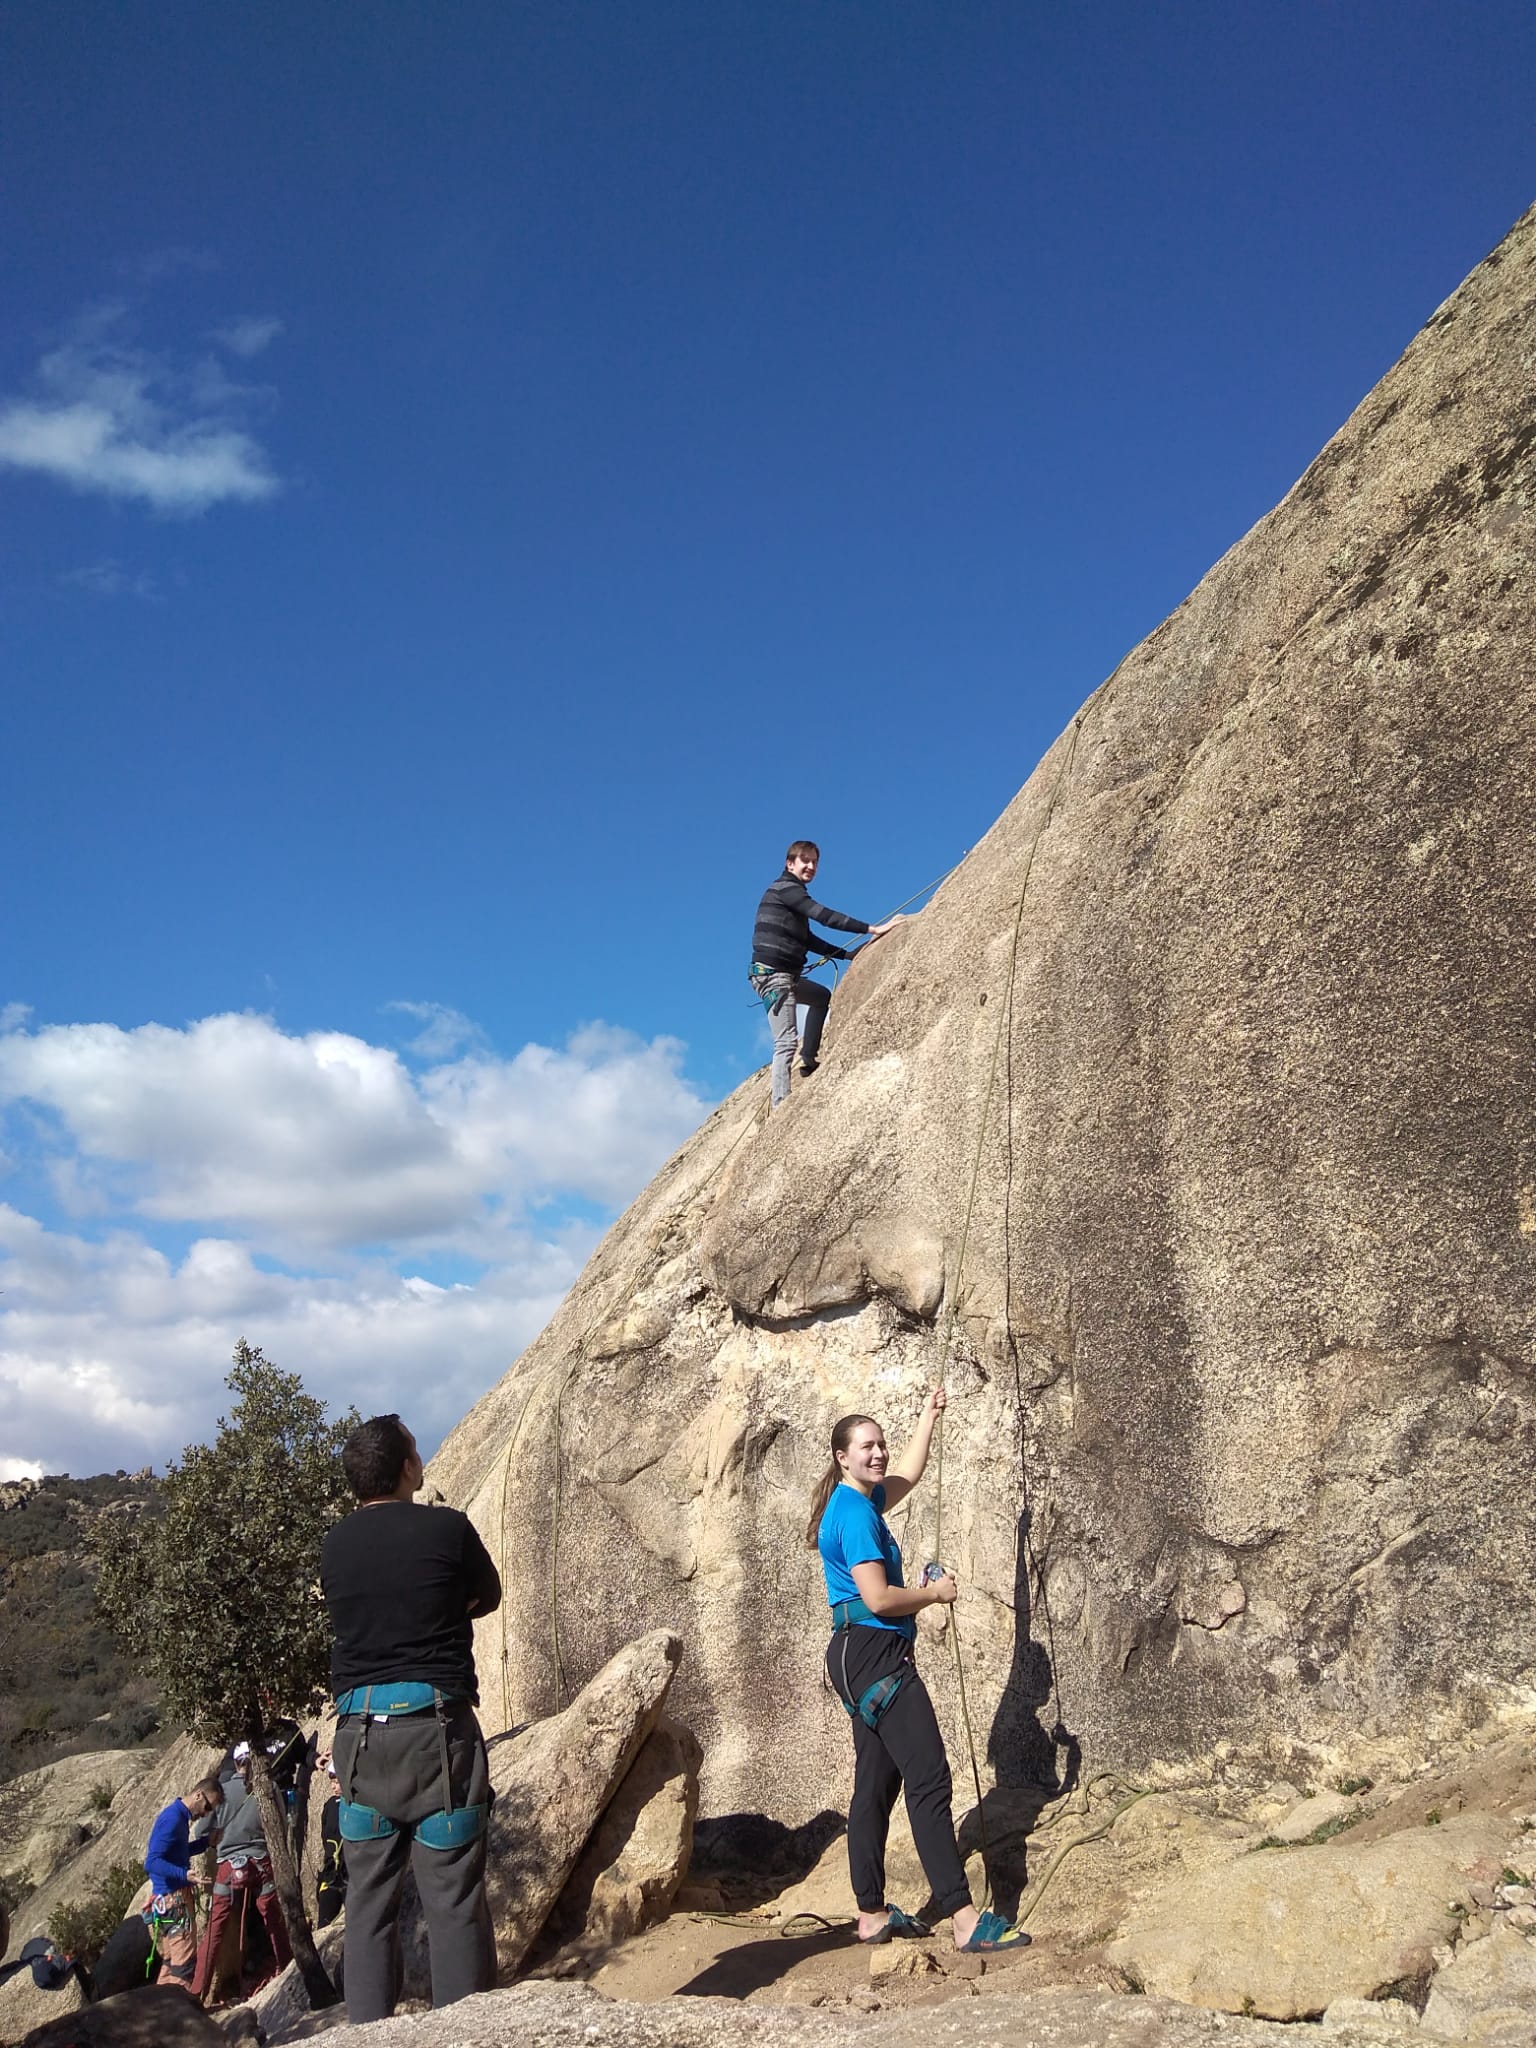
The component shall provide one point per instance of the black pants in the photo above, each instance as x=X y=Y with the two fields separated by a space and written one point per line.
x=904 y=1753
x=398 y=1771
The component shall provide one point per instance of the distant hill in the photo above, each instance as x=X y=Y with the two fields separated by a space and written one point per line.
x=66 y=1683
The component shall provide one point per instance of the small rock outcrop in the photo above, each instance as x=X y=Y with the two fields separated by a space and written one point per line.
x=158 y=2017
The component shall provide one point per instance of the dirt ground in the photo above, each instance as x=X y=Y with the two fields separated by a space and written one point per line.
x=693 y=1954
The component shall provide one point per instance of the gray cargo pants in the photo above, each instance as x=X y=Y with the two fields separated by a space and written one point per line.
x=796 y=990
x=398 y=1771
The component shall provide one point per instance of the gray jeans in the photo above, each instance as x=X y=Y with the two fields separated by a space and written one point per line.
x=398 y=1771
x=796 y=991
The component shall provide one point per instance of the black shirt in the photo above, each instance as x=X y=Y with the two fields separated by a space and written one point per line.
x=401 y=1581
x=781 y=937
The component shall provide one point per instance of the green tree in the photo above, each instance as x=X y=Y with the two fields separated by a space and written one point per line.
x=217 y=1588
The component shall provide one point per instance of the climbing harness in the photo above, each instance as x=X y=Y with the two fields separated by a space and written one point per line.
x=451 y=1827
x=772 y=999
x=873 y=1702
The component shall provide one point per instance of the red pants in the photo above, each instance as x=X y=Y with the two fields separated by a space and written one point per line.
x=232 y=1888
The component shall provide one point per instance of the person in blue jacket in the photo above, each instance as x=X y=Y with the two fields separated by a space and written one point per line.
x=172 y=1909
x=897 y=1746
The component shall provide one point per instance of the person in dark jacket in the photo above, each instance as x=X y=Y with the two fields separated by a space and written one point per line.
x=243 y=1872
x=781 y=939
x=403 y=1584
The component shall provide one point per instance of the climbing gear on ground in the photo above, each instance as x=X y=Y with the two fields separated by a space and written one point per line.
x=50 y=1968
x=992 y=1932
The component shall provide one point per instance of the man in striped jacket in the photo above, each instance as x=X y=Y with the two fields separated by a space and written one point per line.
x=781 y=939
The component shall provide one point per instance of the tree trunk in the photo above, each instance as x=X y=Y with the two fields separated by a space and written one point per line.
x=318 y=1987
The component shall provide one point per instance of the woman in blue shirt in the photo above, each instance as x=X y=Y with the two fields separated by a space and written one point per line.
x=896 y=1741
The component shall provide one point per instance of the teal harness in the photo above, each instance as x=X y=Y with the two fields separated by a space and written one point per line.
x=874 y=1700
x=451 y=1827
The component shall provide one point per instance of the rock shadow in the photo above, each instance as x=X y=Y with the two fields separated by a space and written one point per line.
x=1034 y=1754
x=756 y=1858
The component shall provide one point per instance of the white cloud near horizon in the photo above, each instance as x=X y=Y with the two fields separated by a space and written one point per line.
x=324 y=1152
x=109 y=418
x=113 y=1356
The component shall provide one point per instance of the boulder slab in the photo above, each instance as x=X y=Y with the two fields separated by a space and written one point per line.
x=629 y=1873
x=554 y=1780
x=1285 y=1933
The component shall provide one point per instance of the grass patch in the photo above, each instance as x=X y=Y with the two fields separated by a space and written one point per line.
x=1323 y=1832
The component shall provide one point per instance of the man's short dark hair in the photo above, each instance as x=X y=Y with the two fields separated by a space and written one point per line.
x=373 y=1456
x=801 y=847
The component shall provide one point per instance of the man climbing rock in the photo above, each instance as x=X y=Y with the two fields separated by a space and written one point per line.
x=781 y=939
x=402 y=1583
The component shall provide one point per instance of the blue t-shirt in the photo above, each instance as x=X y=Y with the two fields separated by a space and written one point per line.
x=853 y=1532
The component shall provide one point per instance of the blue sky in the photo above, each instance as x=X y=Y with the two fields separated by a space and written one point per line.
x=475 y=481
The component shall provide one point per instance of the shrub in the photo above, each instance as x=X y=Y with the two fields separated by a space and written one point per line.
x=83 y=1928
x=101 y=1796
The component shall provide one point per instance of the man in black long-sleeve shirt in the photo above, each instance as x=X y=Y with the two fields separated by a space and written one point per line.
x=781 y=938
x=403 y=1584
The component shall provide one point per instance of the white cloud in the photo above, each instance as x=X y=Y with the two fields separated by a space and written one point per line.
x=331 y=1154
x=110 y=579
x=114 y=1355
x=326 y=1140
x=444 y=1031
x=248 y=336
x=110 y=418
x=19 y=1468
x=14 y=1015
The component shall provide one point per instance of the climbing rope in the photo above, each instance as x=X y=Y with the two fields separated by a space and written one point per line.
x=951 y=1306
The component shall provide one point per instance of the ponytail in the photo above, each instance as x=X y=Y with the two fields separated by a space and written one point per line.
x=832 y=1477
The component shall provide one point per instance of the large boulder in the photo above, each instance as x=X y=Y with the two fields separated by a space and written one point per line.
x=46 y=1814
x=1189 y=1133
x=1286 y=1932
x=160 y=2016
x=554 y=1780
x=629 y=1873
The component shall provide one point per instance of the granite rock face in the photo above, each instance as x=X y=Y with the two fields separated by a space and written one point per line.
x=1240 y=1345
x=1286 y=1933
